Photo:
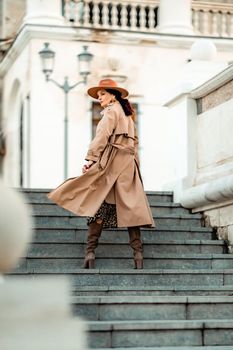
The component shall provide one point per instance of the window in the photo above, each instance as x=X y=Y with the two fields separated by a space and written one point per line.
x=96 y=109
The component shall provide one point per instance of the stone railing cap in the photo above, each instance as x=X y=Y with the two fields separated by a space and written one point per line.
x=214 y=83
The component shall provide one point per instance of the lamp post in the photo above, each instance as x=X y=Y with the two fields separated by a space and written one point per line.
x=47 y=61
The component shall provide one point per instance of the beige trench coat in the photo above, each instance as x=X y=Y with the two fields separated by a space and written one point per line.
x=114 y=177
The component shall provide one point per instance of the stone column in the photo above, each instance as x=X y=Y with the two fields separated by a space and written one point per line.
x=175 y=17
x=44 y=12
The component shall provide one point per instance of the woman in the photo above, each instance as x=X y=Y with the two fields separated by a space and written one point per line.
x=110 y=191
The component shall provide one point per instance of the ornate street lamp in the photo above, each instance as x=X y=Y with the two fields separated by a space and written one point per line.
x=47 y=62
x=84 y=59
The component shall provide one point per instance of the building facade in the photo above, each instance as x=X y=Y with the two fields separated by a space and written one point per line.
x=152 y=48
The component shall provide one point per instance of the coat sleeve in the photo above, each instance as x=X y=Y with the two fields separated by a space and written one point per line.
x=104 y=130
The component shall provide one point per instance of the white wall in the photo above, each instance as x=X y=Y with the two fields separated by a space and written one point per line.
x=209 y=183
x=152 y=71
x=47 y=112
x=147 y=75
x=181 y=145
x=202 y=157
x=215 y=143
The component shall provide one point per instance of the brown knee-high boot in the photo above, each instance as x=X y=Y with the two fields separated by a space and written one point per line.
x=94 y=232
x=136 y=244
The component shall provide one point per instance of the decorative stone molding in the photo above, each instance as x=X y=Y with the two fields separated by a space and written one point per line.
x=29 y=32
x=214 y=83
x=69 y=32
x=211 y=192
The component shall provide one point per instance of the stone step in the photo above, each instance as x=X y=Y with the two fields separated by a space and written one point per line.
x=40 y=196
x=182 y=299
x=111 y=250
x=161 y=261
x=106 y=334
x=175 y=348
x=199 y=290
x=52 y=209
x=187 y=220
x=122 y=308
x=146 y=277
x=55 y=235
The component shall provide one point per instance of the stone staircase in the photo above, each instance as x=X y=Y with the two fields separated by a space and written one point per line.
x=183 y=299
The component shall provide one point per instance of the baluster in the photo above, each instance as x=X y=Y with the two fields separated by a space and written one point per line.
x=72 y=11
x=114 y=16
x=230 y=24
x=196 y=21
x=67 y=9
x=86 y=14
x=143 y=18
x=96 y=14
x=77 y=11
x=151 y=18
x=124 y=16
x=215 y=31
x=205 y=22
x=224 y=23
x=105 y=15
x=133 y=17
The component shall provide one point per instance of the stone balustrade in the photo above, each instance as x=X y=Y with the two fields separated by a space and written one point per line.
x=124 y=15
x=208 y=19
x=212 y=19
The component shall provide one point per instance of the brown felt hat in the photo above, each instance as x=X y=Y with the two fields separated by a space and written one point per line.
x=106 y=84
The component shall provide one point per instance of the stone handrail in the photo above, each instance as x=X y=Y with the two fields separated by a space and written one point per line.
x=208 y=19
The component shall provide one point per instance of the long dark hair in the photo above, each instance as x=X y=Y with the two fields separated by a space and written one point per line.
x=125 y=104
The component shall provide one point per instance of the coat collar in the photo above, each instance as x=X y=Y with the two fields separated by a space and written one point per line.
x=109 y=105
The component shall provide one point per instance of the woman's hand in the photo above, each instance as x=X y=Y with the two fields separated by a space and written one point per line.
x=87 y=166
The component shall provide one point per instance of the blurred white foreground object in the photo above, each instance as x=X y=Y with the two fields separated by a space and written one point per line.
x=35 y=315
x=15 y=227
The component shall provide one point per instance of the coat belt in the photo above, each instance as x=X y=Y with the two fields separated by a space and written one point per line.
x=129 y=149
x=106 y=154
